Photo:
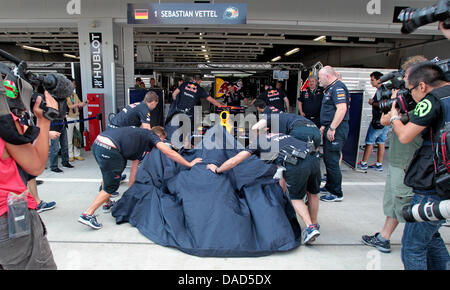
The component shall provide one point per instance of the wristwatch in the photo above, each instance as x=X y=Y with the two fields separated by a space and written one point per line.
x=395 y=118
x=332 y=129
x=215 y=171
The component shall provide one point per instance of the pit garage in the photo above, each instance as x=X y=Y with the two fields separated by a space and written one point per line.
x=106 y=45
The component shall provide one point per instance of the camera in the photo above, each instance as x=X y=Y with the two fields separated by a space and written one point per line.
x=414 y=18
x=21 y=85
x=444 y=65
x=404 y=101
x=424 y=212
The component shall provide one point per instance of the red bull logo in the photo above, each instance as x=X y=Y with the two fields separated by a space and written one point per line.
x=191 y=87
x=273 y=93
x=222 y=87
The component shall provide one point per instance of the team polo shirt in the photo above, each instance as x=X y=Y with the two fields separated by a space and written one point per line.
x=275 y=98
x=311 y=102
x=190 y=95
x=133 y=143
x=132 y=115
x=336 y=93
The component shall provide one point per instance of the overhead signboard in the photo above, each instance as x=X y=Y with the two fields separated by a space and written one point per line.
x=183 y=13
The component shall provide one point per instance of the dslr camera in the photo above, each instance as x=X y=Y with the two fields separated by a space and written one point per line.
x=414 y=18
x=404 y=100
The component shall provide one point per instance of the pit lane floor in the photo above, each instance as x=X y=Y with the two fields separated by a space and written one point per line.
x=339 y=247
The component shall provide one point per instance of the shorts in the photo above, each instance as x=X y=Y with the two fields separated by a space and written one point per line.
x=111 y=164
x=376 y=135
x=396 y=194
x=30 y=252
x=303 y=177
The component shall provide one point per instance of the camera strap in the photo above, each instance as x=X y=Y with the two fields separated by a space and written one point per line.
x=25 y=91
x=4 y=107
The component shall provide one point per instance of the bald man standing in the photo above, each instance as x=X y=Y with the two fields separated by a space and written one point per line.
x=334 y=129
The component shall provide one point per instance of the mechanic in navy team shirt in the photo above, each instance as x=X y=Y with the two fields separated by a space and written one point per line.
x=112 y=148
x=233 y=97
x=137 y=114
x=275 y=98
x=188 y=95
x=290 y=124
x=185 y=98
x=310 y=101
x=334 y=128
x=301 y=176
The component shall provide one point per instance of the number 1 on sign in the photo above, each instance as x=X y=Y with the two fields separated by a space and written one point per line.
x=156 y=13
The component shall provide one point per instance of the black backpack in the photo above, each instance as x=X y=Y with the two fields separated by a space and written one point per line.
x=442 y=148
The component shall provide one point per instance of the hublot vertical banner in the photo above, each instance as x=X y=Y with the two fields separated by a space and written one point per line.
x=95 y=39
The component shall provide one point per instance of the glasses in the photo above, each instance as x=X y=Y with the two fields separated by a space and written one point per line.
x=413 y=88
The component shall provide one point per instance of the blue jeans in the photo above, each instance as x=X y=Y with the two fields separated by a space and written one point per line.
x=54 y=148
x=422 y=245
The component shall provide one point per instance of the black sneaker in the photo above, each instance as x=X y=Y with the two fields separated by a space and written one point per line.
x=57 y=170
x=374 y=241
x=68 y=165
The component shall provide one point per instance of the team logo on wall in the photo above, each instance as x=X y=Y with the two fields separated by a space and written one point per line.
x=221 y=87
x=231 y=13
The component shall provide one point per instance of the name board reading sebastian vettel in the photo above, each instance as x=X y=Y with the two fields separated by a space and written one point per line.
x=184 y=13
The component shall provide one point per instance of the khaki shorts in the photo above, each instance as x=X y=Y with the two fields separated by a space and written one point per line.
x=31 y=252
x=396 y=194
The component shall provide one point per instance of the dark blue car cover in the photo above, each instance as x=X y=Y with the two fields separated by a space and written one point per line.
x=240 y=213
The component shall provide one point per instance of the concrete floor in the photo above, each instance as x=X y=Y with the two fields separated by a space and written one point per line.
x=339 y=246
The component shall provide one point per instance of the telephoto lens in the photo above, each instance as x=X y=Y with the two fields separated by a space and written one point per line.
x=414 y=18
x=425 y=212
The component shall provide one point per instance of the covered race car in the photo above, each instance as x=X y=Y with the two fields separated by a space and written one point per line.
x=241 y=213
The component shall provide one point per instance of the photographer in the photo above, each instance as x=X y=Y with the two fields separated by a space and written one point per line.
x=422 y=245
x=377 y=132
x=396 y=194
x=30 y=251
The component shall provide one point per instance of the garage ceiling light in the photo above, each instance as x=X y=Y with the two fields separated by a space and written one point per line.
x=339 y=38
x=276 y=58
x=292 y=51
x=367 y=39
x=320 y=38
x=71 y=56
x=35 y=49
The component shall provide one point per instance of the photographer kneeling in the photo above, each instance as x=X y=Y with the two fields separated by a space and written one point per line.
x=422 y=245
x=23 y=242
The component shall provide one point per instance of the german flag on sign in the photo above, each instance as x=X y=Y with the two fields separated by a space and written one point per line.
x=141 y=14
